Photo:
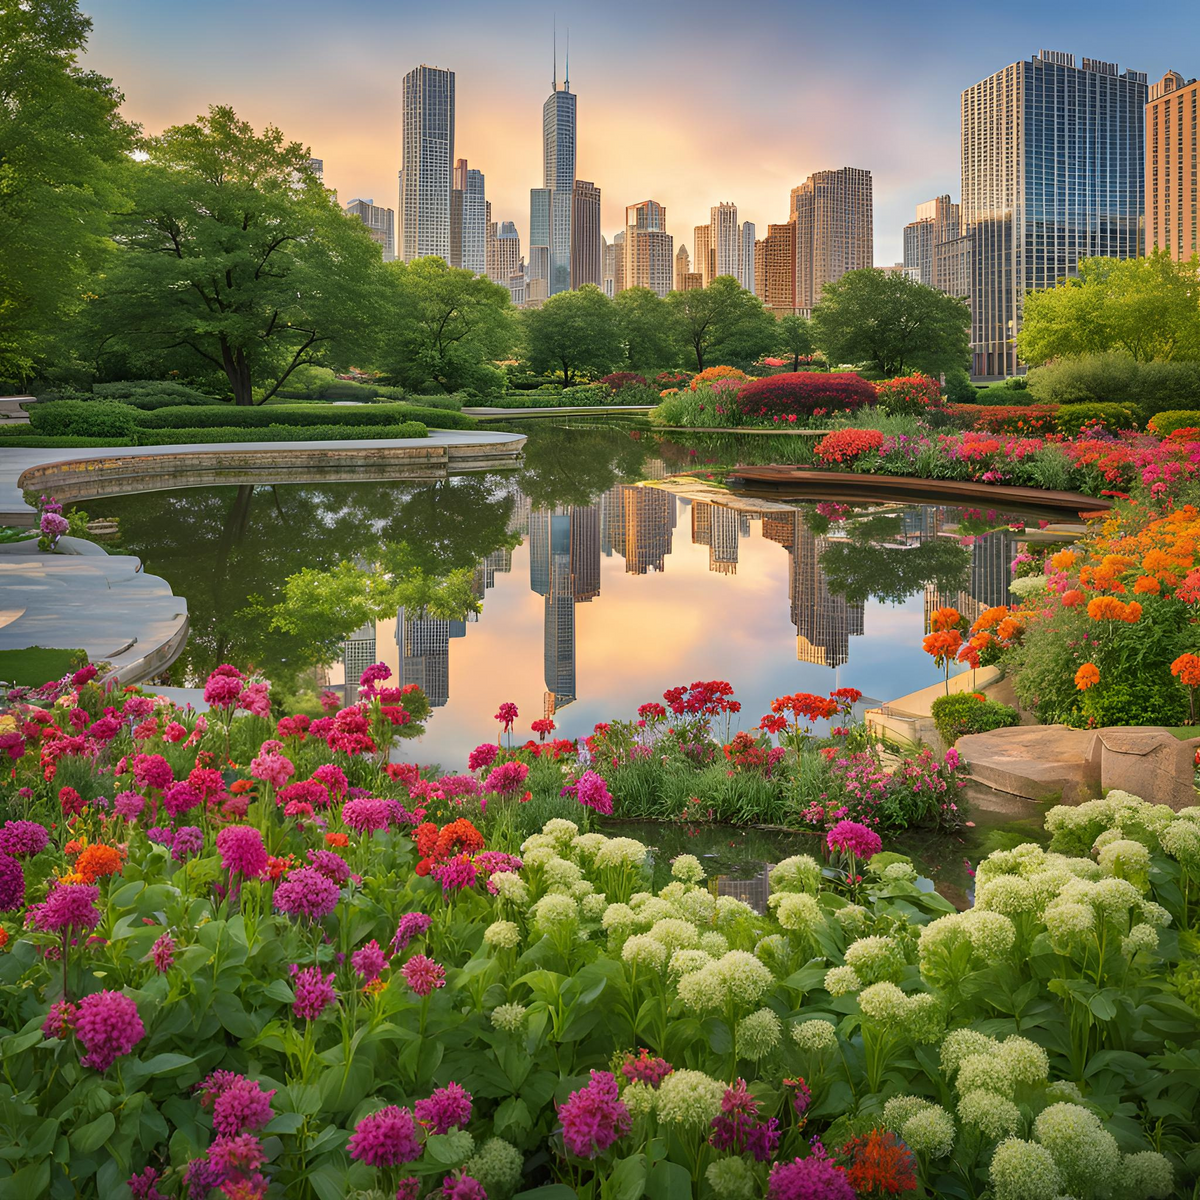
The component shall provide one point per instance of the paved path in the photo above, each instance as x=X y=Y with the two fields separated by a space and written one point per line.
x=14 y=462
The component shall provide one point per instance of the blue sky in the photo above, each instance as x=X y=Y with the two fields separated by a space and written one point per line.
x=687 y=103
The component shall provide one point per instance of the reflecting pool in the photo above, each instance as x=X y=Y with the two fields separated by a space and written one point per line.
x=607 y=568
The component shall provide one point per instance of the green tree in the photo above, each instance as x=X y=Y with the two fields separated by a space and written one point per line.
x=647 y=327
x=63 y=148
x=794 y=338
x=891 y=324
x=445 y=325
x=721 y=324
x=232 y=249
x=575 y=333
x=1147 y=307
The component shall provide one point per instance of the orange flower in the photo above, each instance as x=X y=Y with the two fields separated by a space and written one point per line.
x=97 y=861
x=241 y=786
x=337 y=839
x=1064 y=560
x=1072 y=598
x=1186 y=668
x=1106 y=608
x=1133 y=612
x=943 y=646
x=946 y=618
x=3 y=937
x=989 y=617
x=1009 y=628
x=1087 y=676
x=1147 y=585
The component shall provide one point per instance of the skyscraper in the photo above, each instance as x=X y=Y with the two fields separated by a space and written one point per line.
x=317 y=167
x=539 y=233
x=649 y=248
x=1172 y=182
x=937 y=221
x=1052 y=172
x=746 y=275
x=832 y=211
x=618 y=261
x=506 y=253
x=610 y=258
x=726 y=240
x=702 y=259
x=586 y=265
x=427 y=156
x=683 y=266
x=778 y=275
x=468 y=219
x=380 y=223
x=558 y=175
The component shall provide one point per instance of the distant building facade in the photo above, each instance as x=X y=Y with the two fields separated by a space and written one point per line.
x=586 y=263
x=380 y=223
x=428 y=157
x=834 y=218
x=1172 y=183
x=649 y=248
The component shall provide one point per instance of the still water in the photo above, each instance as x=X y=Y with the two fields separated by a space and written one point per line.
x=603 y=579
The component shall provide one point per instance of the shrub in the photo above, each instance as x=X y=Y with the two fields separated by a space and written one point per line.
x=908 y=395
x=132 y=389
x=843 y=445
x=1013 y=418
x=1166 y=423
x=635 y=393
x=959 y=388
x=1071 y=418
x=148 y=402
x=621 y=379
x=699 y=409
x=1011 y=391
x=1089 y=379
x=279 y=433
x=446 y=403
x=32 y=441
x=85 y=418
x=673 y=379
x=804 y=394
x=969 y=712
x=229 y=416
x=712 y=374
x=1167 y=387
x=589 y=394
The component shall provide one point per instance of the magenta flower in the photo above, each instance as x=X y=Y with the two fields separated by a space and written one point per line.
x=592 y=792
x=853 y=838
x=447 y=1108
x=180 y=798
x=455 y=873
x=129 y=805
x=423 y=974
x=152 y=770
x=645 y=1069
x=241 y=1107
x=369 y=961
x=461 y=1186
x=812 y=1178
x=409 y=1189
x=242 y=850
x=314 y=992
x=507 y=715
x=188 y=840
x=223 y=687
x=307 y=893
x=594 y=1117
x=507 y=778
x=332 y=866
x=385 y=1138
x=23 y=839
x=69 y=906
x=12 y=884
x=108 y=1025
x=255 y=699
x=142 y=1185
x=482 y=756
x=737 y=1127
x=412 y=925
x=243 y=1152
x=163 y=953
x=366 y=814
x=274 y=769
x=59 y=1020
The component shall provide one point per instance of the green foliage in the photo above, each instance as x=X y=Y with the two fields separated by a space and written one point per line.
x=793 y=339
x=34 y=665
x=1147 y=308
x=959 y=388
x=1071 y=418
x=574 y=334
x=1133 y=702
x=956 y=715
x=1165 y=423
x=90 y=419
x=1115 y=377
x=722 y=323
x=444 y=325
x=647 y=330
x=891 y=324
x=299 y=415
x=150 y=392
x=63 y=149
x=12 y=439
x=279 y=433
x=1012 y=391
x=233 y=251
x=702 y=408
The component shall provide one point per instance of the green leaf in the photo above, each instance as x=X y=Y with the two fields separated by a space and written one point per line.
x=285 y=1123
x=627 y=1181
x=94 y=1134
x=33 y=1180
x=551 y=1191
x=668 y=1181
x=450 y=1149
x=124 y=896
x=328 y=1182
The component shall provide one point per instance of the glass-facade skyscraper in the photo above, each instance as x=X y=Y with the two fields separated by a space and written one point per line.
x=1052 y=172
x=428 y=161
x=558 y=171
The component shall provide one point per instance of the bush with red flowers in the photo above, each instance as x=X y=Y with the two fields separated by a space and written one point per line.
x=1006 y=418
x=845 y=445
x=619 y=379
x=802 y=395
x=908 y=395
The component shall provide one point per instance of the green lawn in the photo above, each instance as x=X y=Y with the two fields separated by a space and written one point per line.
x=36 y=665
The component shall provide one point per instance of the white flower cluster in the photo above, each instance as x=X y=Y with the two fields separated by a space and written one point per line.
x=875 y=958
x=801 y=873
x=758 y=1034
x=736 y=978
x=917 y=1016
x=689 y=1098
x=923 y=1126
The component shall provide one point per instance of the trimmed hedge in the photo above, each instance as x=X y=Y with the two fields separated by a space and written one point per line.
x=31 y=441
x=86 y=418
x=1071 y=418
x=1166 y=423
x=968 y=712
x=148 y=403
x=280 y=433
x=132 y=389
x=803 y=394
x=229 y=416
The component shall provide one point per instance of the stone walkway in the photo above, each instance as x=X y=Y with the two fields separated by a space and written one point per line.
x=15 y=462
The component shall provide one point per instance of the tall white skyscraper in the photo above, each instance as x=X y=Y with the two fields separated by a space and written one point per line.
x=428 y=160
x=746 y=276
x=726 y=240
x=558 y=175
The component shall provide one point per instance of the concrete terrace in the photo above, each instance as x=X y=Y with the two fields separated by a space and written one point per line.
x=72 y=475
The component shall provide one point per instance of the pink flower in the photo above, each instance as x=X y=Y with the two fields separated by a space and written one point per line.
x=69 y=906
x=455 y=873
x=482 y=756
x=592 y=792
x=594 y=1117
x=423 y=974
x=272 y=768
x=331 y=865
x=507 y=778
x=23 y=839
x=163 y=953
x=507 y=715
x=461 y=1186
x=385 y=1138
x=412 y=925
x=152 y=770
x=369 y=961
x=59 y=1020
x=366 y=815
x=223 y=687
x=242 y=850
x=108 y=1025
x=255 y=700
x=854 y=838
x=241 y=1107
x=333 y=777
x=447 y=1108
x=307 y=893
x=180 y=798
x=812 y=1178
x=314 y=992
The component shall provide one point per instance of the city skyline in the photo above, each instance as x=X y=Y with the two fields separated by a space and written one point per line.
x=649 y=123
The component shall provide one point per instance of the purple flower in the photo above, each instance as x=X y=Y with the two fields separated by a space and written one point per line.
x=461 y=1186
x=332 y=866
x=592 y=792
x=163 y=953
x=812 y=1178
x=142 y=1185
x=59 y=1020
x=23 y=839
x=385 y=1138
x=180 y=798
x=201 y=1177
x=108 y=1025
x=447 y=1108
x=129 y=805
x=412 y=925
x=69 y=906
x=594 y=1117
x=737 y=1127
x=314 y=992
x=242 y=850
x=307 y=893
x=369 y=961
x=366 y=815
x=188 y=840
x=241 y=1107
x=12 y=884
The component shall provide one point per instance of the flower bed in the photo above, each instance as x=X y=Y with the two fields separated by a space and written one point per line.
x=241 y=958
x=800 y=395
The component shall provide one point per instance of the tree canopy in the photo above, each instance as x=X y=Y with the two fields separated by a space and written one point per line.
x=793 y=338
x=722 y=323
x=647 y=327
x=574 y=333
x=232 y=249
x=63 y=149
x=891 y=324
x=1147 y=307
x=445 y=325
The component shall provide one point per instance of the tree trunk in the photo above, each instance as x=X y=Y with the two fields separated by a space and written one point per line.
x=699 y=357
x=237 y=371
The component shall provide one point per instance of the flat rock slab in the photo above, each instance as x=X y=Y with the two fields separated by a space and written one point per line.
x=1149 y=761
x=1037 y=762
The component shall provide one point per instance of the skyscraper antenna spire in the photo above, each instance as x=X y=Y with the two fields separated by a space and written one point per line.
x=567 y=81
x=554 y=81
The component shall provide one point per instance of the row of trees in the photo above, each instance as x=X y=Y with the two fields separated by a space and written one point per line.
x=214 y=251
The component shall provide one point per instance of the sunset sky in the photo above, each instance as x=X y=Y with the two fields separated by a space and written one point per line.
x=686 y=103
